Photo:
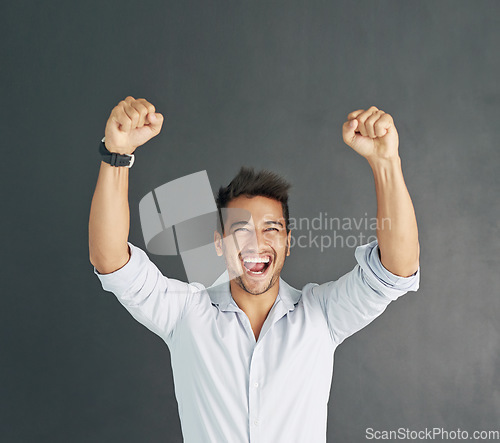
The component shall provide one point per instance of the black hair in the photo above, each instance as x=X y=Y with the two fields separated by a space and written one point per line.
x=252 y=184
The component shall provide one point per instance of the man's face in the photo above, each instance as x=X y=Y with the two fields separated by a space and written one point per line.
x=255 y=242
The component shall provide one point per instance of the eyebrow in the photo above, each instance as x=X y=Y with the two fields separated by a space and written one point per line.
x=270 y=222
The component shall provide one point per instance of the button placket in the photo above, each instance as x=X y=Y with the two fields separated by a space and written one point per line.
x=254 y=393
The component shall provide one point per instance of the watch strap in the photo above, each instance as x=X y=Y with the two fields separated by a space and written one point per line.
x=115 y=159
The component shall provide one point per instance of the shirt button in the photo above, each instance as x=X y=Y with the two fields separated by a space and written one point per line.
x=256 y=422
x=256 y=385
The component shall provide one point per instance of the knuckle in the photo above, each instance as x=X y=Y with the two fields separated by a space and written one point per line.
x=357 y=113
x=139 y=107
x=142 y=109
x=134 y=115
x=149 y=106
x=123 y=115
x=386 y=118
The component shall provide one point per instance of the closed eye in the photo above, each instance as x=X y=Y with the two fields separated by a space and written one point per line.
x=241 y=229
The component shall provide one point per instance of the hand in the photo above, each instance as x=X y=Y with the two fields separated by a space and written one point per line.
x=131 y=124
x=371 y=133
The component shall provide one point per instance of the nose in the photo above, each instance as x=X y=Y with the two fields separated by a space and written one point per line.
x=258 y=241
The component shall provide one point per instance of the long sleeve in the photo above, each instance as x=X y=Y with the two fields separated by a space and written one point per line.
x=151 y=298
x=353 y=301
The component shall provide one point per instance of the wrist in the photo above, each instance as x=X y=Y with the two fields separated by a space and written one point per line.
x=387 y=173
x=113 y=169
x=384 y=163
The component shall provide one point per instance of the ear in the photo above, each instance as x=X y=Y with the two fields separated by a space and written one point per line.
x=218 y=243
x=289 y=241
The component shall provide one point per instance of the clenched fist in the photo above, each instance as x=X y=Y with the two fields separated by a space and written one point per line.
x=371 y=133
x=131 y=124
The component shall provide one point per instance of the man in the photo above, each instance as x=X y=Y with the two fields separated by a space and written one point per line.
x=252 y=358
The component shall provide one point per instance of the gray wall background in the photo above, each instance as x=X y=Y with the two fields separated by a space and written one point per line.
x=263 y=84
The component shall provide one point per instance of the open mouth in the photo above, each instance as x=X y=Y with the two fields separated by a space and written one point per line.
x=257 y=265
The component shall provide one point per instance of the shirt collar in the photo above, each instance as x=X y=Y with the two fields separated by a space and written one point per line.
x=220 y=295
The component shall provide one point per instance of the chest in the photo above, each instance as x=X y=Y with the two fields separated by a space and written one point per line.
x=229 y=346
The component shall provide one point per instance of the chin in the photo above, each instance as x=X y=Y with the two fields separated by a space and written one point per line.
x=256 y=288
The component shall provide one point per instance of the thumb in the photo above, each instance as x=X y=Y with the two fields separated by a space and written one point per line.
x=349 y=130
x=155 y=121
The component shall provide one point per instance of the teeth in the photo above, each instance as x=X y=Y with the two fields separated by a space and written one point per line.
x=256 y=260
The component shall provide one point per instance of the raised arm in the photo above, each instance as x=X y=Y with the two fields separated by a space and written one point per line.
x=373 y=135
x=131 y=124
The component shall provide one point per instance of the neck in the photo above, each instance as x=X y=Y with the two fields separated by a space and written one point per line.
x=251 y=304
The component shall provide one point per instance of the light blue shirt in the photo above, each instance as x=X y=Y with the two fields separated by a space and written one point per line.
x=232 y=388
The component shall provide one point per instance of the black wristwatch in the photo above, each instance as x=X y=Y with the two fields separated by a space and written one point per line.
x=115 y=159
